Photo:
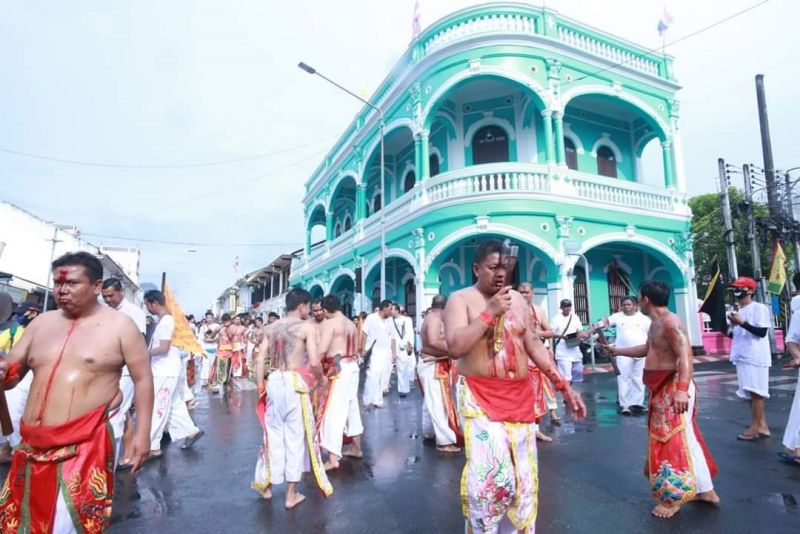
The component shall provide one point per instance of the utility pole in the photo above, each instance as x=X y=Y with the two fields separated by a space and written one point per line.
x=53 y=242
x=730 y=245
x=766 y=149
x=752 y=236
x=790 y=222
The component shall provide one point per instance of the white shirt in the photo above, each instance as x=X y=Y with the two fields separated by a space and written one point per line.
x=569 y=324
x=631 y=329
x=794 y=329
x=795 y=303
x=377 y=330
x=137 y=316
x=168 y=364
x=403 y=331
x=746 y=347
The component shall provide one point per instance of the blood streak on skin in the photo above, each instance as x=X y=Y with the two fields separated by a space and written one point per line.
x=61 y=276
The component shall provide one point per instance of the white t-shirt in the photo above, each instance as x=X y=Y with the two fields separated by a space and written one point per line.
x=631 y=329
x=794 y=329
x=137 y=316
x=403 y=331
x=377 y=330
x=168 y=364
x=569 y=324
x=746 y=347
x=795 y=304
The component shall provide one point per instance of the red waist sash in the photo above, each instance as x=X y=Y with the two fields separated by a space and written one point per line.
x=502 y=399
x=75 y=459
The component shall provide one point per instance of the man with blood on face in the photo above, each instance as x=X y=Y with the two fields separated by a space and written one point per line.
x=76 y=355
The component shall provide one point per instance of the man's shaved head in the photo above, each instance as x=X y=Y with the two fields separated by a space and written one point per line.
x=439 y=302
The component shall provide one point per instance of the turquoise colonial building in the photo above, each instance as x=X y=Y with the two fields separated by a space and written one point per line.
x=511 y=121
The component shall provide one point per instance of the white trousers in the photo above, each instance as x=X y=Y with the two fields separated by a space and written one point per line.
x=434 y=412
x=374 y=384
x=752 y=379
x=169 y=412
x=118 y=420
x=386 y=377
x=405 y=371
x=287 y=446
x=791 y=438
x=186 y=392
x=208 y=364
x=630 y=386
x=701 y=472
x=342 y=413
x=17 y=399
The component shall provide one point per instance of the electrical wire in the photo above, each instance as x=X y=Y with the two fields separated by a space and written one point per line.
x=190 y=243
x=165 y=166
x=665 y=45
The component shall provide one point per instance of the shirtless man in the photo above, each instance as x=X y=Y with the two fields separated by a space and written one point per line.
x=543 y=388
x=677 y=450
x=339 y=410
x=284 y=406
x=436 y=373
x=488 y=328
x=76 y=355
x=237 y=333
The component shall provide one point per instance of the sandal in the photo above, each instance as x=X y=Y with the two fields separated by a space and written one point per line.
x=789 y=458
x=748 y=437
x=124 y=466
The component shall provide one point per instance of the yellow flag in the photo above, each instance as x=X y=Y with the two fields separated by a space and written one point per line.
x=182 y=337
x=777 y=273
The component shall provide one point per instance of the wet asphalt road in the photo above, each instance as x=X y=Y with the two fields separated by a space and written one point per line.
x=590 y=478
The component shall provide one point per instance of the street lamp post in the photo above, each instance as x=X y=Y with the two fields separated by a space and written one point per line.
x=311 y=70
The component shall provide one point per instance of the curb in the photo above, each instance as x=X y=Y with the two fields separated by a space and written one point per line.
x=606 y=367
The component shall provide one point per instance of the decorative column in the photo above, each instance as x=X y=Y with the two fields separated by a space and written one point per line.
x=547 y=115
x=558 y=124
x=425 y=155
x=419 y=275
x=418 y=156
x=329 y=227
x=677 y=147
x=308 y=244
x=666 y=151
x=361 y=201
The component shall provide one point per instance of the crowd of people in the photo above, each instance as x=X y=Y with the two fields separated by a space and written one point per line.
x=487 y=360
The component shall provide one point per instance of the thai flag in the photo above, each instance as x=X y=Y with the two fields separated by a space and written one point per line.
x=416 y=25
x=663 y=24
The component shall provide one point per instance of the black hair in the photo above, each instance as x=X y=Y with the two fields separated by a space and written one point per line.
x=331 y=303
x=296 y=296
x=112 y=283
x=363 y=315
x=226 y=317
x=628 y=298
x=657 y=292
x=154 y=295
x=209 y=312
x=273 y=314
x=490 y=246
x=385 y=304
x=316 y=301
x=90 y=263
x=259 y=318
x=439 y=302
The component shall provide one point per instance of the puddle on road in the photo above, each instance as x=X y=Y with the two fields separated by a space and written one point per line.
x=787 y=502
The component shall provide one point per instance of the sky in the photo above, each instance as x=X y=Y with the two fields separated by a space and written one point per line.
x=164 y=88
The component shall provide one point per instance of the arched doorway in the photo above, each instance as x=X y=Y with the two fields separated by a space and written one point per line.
x=399 y=273
x=344 y=288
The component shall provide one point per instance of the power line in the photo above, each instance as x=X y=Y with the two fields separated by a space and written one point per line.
x=676 y=41
x=189 y=243
x=163 y=166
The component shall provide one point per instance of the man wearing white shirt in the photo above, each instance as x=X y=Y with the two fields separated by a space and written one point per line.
x=169 y=411
x=795 y=302
x=750 y=353
x=791 y=437
x=403 y=331
x=114 y=297
x=378 y=340
x=631 y=326
x=567 y=327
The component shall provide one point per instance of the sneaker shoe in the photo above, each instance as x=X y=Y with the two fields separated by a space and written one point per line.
x=625 y=411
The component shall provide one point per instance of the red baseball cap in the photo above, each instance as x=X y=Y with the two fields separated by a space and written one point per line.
x=744 y=281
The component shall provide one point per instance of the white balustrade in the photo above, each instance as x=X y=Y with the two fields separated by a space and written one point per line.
x=607 y=51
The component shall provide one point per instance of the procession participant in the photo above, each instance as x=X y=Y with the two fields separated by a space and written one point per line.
x=339 y=413
x=378 y=343
x=403 y=333
x=543 y=389
x=207 y=337
x=169 y=409
x=436 y=376
x=6 y=311
x=272 y=317
x=751 y=355
x=679 y=466
x=488 y=328
x=631 y=331
x=284 y=406
x=221 y=372
x=791 y=437
x=17 y=398
x=237 y=333
x=256 y=337
x=76 y=354
x=568 y=329
x=114 y=297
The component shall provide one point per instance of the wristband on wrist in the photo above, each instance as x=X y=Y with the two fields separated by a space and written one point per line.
x=487 y=318
x=683 y=386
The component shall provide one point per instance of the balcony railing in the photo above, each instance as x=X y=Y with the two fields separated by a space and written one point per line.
x=530 y=181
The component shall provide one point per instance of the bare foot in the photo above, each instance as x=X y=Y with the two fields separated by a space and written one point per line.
x=543 y=437
x=292 y=502
x=266 y=494
x=353 y=453
x=665 y=512
x=448 y=448
x=710 y=497
x=330 y=464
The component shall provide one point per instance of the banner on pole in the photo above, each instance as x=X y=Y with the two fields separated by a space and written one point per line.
x=777 y=273
x=183 y=337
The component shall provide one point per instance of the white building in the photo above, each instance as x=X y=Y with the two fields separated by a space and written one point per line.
x=28 y=244
x=261 y=291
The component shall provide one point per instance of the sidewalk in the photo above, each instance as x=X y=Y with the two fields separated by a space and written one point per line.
x=606 y=367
